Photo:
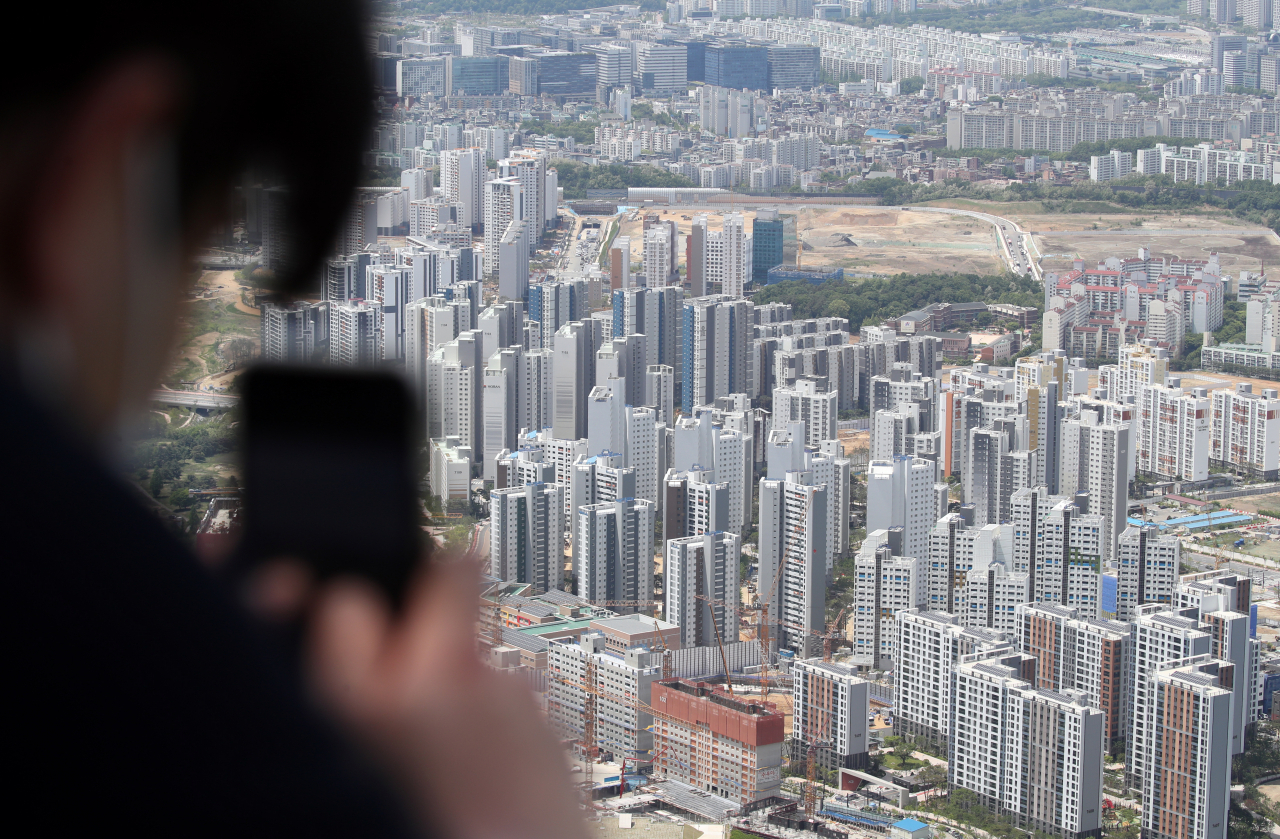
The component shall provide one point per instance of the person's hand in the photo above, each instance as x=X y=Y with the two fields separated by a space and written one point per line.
x=466 y=743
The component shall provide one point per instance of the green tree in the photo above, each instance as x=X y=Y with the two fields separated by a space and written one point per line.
x=180 y=499
x=157 y=483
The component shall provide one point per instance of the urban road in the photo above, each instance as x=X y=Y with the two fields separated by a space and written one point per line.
x=187 y=399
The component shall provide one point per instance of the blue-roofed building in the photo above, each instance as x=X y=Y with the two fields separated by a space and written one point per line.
x=910 y=829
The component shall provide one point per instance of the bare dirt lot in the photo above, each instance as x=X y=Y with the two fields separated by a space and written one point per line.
x=873 y=240
x=890 y=241
x=1235 y=252
x=1100 y=232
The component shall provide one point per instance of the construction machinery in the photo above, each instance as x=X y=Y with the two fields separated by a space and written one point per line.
x=589 y=748
x=761 y=606
x=724 y=659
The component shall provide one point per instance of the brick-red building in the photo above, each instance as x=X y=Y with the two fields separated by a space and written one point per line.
x=722 y=744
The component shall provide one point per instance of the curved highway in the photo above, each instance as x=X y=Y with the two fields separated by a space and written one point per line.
x=1016 y=246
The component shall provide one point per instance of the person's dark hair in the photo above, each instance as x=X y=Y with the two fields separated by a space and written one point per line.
x=276 y=86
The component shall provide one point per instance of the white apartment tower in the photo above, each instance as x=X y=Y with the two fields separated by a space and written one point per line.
x=805 y=403
x=723 y=257
x=886 y=584
x=1035 y=755
x=700 y=575
x=527 y=542
x=1245 y=431
x=1076 y=654
x=793 y=550
x=1173 y=432
x=462 y=174
x=658 y=246
x=614 y=554
x=830 y=703
x=785 y=453
x=1159 y=636
x=903 y=492
x=1059 y=546
x=1095 y=459
x=1187 y=791
x=1147 y=565
x=529 y=167
x=504 y=203
x=1139 y=365
x=930 y=644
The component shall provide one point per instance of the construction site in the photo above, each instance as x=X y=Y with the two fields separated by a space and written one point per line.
x=741 y=734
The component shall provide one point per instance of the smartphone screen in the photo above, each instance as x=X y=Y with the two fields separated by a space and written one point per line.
x=329 y=473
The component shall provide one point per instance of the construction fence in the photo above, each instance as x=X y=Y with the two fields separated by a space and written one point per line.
x=705 y=662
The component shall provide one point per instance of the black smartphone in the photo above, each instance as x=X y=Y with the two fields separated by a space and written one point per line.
x=329 y=474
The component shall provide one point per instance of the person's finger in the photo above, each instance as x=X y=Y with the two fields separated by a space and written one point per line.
x=278 y=591
x=438 y=628
x=349 y=625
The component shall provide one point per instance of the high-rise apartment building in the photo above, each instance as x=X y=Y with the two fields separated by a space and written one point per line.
x=1139 y=365
x=574 y=373
x=721 y=261
x=807 y=404
x=529 y=166
x=355 y=334
x=553 y=304
x=655 y=313
x=1095 y=459
x=293 y=333
x=930 y=644
x=693 y=503
x=614 y=553
x=1186 y=790
x=716 y=332
x=527 y=539
x=886 y=584
x=793 y=549
x=830 y=705
x=1244 y=431
x=903 y=492
x=658 y=247
x=1034 y=755
x=786 y=453
x=454 y=406
x=700 y=443
x=1173 y=432
x=999 y=463
x=504 y=204
x=700 y=580
x=462 y=175
x=1147 y=564
x=1059 y=546
x=1159 y=636
x=659 y=392
x=1077 y=654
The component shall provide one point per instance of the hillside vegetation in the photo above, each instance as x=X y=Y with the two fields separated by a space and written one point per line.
x=871 y=301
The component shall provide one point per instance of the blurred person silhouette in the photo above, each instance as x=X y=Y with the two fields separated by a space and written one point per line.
x=146 y=697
